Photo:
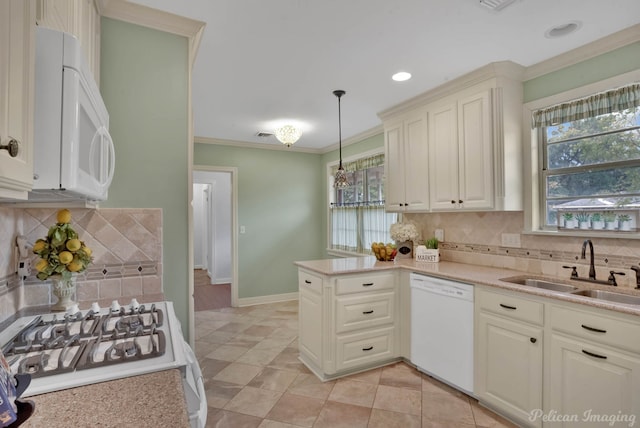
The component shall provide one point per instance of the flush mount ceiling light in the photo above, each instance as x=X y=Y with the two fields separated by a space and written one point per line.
x=562 y=30
x=401 y=76
x=288 y=134
x=340 y=179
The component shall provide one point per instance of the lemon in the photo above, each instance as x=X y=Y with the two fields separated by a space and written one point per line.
x=65 y=257
x=73 y=245
x=40 y=245
x=41 y=265
x=64 y=216
x=75 y=266
x=87 y=251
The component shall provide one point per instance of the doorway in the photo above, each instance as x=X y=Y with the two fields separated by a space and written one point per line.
x=214 y=237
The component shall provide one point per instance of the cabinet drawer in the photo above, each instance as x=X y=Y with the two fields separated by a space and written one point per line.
x=360 y=283
x=510 y=306
x=309 y=281
x=359 y=349
x=356 y=312
x=596 y=327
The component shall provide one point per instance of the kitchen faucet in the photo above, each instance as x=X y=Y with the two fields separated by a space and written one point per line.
x=592 y=268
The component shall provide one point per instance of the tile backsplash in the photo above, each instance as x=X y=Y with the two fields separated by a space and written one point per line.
x=127 y=256
x=476 y=238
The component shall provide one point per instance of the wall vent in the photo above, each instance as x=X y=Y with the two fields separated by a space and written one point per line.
x=496 y=5
x=264 y=134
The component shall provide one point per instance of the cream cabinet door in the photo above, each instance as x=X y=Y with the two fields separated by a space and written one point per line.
x=443 y=156
x=475 y=152
x=394 y=166
x=587 y=380
x=17 y=56
x=509 y=366
x=310 y=326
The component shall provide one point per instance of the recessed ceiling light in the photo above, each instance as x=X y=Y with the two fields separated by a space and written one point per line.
x=401 y=76
x=563 y=29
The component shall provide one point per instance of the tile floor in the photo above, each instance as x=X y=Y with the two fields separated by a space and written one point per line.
x=249 y=359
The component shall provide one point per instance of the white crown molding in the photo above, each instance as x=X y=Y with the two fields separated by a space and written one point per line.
x=601 y=46
x=148 y=17
x=507 y=69
x=354 y=139
x=248 y=145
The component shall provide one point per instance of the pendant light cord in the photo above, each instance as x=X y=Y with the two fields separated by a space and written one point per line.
x=339 y=93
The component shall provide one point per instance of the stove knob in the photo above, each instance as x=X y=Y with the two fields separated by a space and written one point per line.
x=134 y=304
x=73 y=309
x=95 y=307
x=115 y=306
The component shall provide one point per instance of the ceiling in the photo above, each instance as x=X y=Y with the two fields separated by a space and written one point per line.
x=265 y=63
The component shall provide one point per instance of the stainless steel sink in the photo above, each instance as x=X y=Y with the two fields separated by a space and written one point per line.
x=540 y=283
x=609 y=296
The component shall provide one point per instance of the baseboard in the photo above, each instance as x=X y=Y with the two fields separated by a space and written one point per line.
x=272 y=298
x=223 y=281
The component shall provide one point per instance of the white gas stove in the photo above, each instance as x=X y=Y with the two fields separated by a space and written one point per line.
x=65 y=350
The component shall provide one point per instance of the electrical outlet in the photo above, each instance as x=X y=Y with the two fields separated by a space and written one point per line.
x=439 y=234
x=511 y=240
x=243 y=229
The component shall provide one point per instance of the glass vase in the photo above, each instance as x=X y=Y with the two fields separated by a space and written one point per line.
x=64 y=289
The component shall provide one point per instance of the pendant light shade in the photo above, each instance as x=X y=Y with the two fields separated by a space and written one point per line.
x=340 y=179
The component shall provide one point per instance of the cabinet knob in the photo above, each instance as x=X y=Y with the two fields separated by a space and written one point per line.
x=460 y=201
x=452 y=201
x=13 y=147
x=533 y=340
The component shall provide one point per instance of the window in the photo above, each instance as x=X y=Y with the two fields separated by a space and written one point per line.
x=590 y=154
x=357 y=215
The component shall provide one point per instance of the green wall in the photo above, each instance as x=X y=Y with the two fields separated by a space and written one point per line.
x=618 y=61
x=280 y=206
x=145 y=88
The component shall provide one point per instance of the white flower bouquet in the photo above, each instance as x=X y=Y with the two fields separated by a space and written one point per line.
x=401 y=232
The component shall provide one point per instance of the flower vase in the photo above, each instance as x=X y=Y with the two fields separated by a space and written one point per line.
x=64 y=289
x=405 y=250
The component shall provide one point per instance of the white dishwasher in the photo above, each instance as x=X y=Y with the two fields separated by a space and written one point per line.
x=442 y=329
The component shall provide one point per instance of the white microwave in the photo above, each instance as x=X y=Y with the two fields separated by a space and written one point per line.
x=74 y=157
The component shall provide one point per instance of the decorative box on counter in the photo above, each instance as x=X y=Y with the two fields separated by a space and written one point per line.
x=424 y=254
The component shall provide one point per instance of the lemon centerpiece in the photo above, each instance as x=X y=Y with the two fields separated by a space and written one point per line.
x=62 y=254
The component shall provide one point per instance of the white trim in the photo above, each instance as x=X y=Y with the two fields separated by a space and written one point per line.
x=234 y=223
x=355 y=139
x=272 y=298
x=530 y=147
x=372 y=152
x=248 y=145
x=601 y=46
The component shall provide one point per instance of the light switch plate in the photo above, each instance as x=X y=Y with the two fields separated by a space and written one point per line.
x=439 y=234
x=511 y=240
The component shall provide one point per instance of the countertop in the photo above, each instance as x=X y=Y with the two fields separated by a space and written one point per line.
x=149 y=400
x=474 y=274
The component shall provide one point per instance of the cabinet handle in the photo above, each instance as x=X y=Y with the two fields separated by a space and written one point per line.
x=508 y=307
x=533 y=340
x=460 y=201
x=371 y=347
x=367 y=312
x=12 y=147
x=367 y=284
x=306 y=281
x=591 y=354
x=597 y=330
x=452 y=201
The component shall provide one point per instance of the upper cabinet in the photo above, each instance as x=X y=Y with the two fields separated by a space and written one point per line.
x=17 y=55
x=77 y=17
x=472 y=158
x=407 y=180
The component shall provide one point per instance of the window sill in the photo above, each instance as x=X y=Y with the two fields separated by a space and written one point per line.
x=584 y=234
x=340 y=253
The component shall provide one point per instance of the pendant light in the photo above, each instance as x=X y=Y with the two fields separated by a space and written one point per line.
x=340 y=179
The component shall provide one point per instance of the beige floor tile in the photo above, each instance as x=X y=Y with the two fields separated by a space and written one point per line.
x=396 y=399
x=220 y=393
x=274 y=343
x=259 y=357
x=234 y=327
x=268 y=423
x=227 y=352
x=259 y=330
x=210 y=367
x=387 y=419
x=288 y=360
x=341 y=415
x=445 y=406
x=253 y=401
x=226 y=419
x=370 y=376
x=273 y=379
x=401 y=375
x=352 y=392
x=442 y=423
x=284 y=333
x=309 y=385
x=296 y=410
x=238 y=373
x=431 y=385
x=218 y=337
x=485 y=418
